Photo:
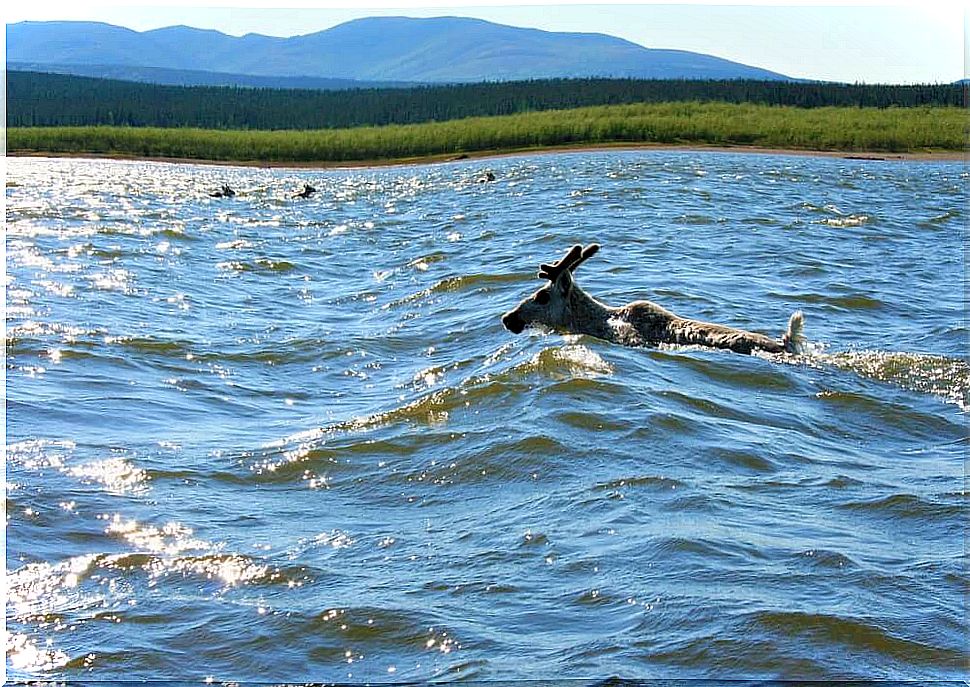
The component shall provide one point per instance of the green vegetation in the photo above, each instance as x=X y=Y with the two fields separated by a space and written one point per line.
x=830 y=128
x=68 y=114
x=35 y=99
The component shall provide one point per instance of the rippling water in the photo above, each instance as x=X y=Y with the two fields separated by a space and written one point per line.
x=266 y=438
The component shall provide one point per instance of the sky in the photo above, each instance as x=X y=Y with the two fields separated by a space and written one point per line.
x=905 y=42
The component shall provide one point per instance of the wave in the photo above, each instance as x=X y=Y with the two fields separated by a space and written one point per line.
x=798 y=645
x=454 y=284
x=135 y=348
x=852 y=301
x=940 y=219
x=258 y=265
x=225 y=570
x=653 y=482
x=907 y=506
x=728 y=371
x=823 y=560
x=948 y=378
x=569 y=365
x=159 y=558
x=855 y=635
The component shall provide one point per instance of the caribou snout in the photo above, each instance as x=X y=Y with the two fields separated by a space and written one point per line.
x=513 y=322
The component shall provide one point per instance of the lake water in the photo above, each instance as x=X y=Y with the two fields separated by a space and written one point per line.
x=273 y=439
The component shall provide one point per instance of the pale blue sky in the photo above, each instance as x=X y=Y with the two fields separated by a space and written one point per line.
x=909 y=42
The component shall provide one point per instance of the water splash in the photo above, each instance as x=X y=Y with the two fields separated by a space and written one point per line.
x=948 y=378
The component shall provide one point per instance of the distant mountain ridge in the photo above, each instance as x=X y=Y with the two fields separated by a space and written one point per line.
x=194 y=77
x=375 y=49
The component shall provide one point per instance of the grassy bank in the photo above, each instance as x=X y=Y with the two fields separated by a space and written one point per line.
x=895 y=130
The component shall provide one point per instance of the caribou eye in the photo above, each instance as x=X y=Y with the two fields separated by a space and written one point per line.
x=542 y=297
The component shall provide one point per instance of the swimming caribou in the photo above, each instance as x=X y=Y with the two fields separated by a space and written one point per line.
x=562 y=305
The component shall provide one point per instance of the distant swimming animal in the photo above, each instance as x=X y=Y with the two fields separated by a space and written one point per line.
x=486 y=177
x=224 y=192
x=306 y=192
x=563 y=306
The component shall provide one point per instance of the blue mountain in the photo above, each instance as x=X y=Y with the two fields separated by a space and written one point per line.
x=194 y=77
x=375 y=49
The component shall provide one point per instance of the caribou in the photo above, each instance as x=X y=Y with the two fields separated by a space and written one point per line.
x=563 y=306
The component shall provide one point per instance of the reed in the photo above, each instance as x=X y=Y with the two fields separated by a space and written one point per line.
x=817 y=129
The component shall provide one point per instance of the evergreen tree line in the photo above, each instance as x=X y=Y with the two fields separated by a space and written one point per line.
x=42 y=100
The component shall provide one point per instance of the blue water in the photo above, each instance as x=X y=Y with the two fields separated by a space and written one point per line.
x=276 y=439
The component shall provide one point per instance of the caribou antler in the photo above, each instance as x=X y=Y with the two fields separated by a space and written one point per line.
x=576 y=256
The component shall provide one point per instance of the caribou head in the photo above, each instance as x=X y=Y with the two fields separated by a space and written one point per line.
x=552 y=305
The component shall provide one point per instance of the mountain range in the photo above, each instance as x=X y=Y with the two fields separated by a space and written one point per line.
x=370 y=51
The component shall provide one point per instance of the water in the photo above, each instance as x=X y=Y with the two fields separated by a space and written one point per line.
x=274 y=439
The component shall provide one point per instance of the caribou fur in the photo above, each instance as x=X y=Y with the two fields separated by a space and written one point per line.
x=564 y=306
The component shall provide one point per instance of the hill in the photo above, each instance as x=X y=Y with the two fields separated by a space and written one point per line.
x=194 y=77
x=381 y=49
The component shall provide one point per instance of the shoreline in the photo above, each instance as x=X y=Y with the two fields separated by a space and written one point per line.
x=874 y=156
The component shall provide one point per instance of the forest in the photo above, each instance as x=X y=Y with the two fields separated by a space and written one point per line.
x=37 y=99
